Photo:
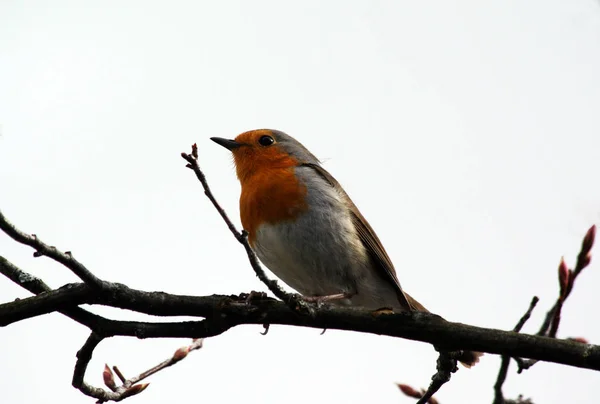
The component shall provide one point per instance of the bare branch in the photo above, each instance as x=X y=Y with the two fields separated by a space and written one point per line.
x=583 y=260
x=36 y=285
x=128 y=387
x=446 y=365
x=84 y=356
x=241 y=237
x=102 y=326
x=498 y=396
x=41 y=248
x=43 y=303
x=224 y=312
x=414 y=393
x=566 y=280
x=179 y=355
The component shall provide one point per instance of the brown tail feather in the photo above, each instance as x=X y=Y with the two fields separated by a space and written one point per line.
x=467 y=358
x=416 y=306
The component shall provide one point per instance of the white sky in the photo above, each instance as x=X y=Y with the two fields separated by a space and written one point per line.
x=468 y=134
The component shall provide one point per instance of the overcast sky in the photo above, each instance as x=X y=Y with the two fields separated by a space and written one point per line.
x=467 y=133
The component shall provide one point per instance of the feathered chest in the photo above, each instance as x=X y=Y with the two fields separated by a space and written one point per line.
x=271 y=196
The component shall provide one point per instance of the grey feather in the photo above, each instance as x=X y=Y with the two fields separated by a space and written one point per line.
x=381 y=260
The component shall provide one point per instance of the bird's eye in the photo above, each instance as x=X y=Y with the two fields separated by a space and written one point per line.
x=266 y=140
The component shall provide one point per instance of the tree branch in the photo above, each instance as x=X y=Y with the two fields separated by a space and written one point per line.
x=10 y=312
x=566 y=281
x=498 y=396
x=36 y=285
x=241 y=237
x=41 y=249
x=224 y=312
x=129 y=387
x=446 y=365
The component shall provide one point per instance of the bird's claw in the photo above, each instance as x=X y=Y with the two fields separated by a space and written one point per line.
x=248 y=298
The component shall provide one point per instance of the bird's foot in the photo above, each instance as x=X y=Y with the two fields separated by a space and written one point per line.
x=248 y=298
x=319 y=300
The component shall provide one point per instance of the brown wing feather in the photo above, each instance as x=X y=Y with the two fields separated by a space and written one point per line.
x=382 y=260
x=371 y=241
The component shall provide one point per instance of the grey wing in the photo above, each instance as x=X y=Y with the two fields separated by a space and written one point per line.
x=368 y=237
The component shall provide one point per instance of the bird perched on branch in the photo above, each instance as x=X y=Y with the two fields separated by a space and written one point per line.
x=306 y=229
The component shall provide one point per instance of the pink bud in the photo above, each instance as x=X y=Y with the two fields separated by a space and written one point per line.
x=563 y=276
x=109 y=378
x=409 y=391
x=588 y=240
x=135 y=389
x=581 y=340
x=181 y=353
x=586 y=260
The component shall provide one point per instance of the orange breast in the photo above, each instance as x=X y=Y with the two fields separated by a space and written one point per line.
x=271 y=196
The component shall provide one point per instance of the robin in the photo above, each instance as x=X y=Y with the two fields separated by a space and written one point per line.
x=306 y=229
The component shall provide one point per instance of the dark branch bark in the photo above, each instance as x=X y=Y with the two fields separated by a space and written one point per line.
x=41 y=248
x=96 y=323
x=84 y=356
x=224 y=312
x=446 y=365
x=129 y=387
x=37 y=286
x=498 y=396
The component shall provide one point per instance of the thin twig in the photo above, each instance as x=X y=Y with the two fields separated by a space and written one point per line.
x=446 y=365
x=41 y=248
x=128 y=387
x=498 y=396
x=567 y=281
x=566 y=278
x=119 y=374
x=241 y=237
x=192 y=160
x=179 y=354
x=414 y=393
x=84 y=356
x=36 y=285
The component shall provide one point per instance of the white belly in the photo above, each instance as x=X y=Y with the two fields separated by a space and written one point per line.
x=320 y=253
x=314 y=258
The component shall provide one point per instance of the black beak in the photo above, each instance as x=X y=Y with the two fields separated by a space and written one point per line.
x=226 y=143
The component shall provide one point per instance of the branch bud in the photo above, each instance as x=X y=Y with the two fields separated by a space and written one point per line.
x=588 y=240
x=409 y=391
x=135 y=389
x=109 y=378
x=181 y=353
x=563 y=276
x=581 y=340
x=586 y=260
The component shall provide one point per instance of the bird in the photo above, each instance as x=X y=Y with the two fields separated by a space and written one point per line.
x=304 y=227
